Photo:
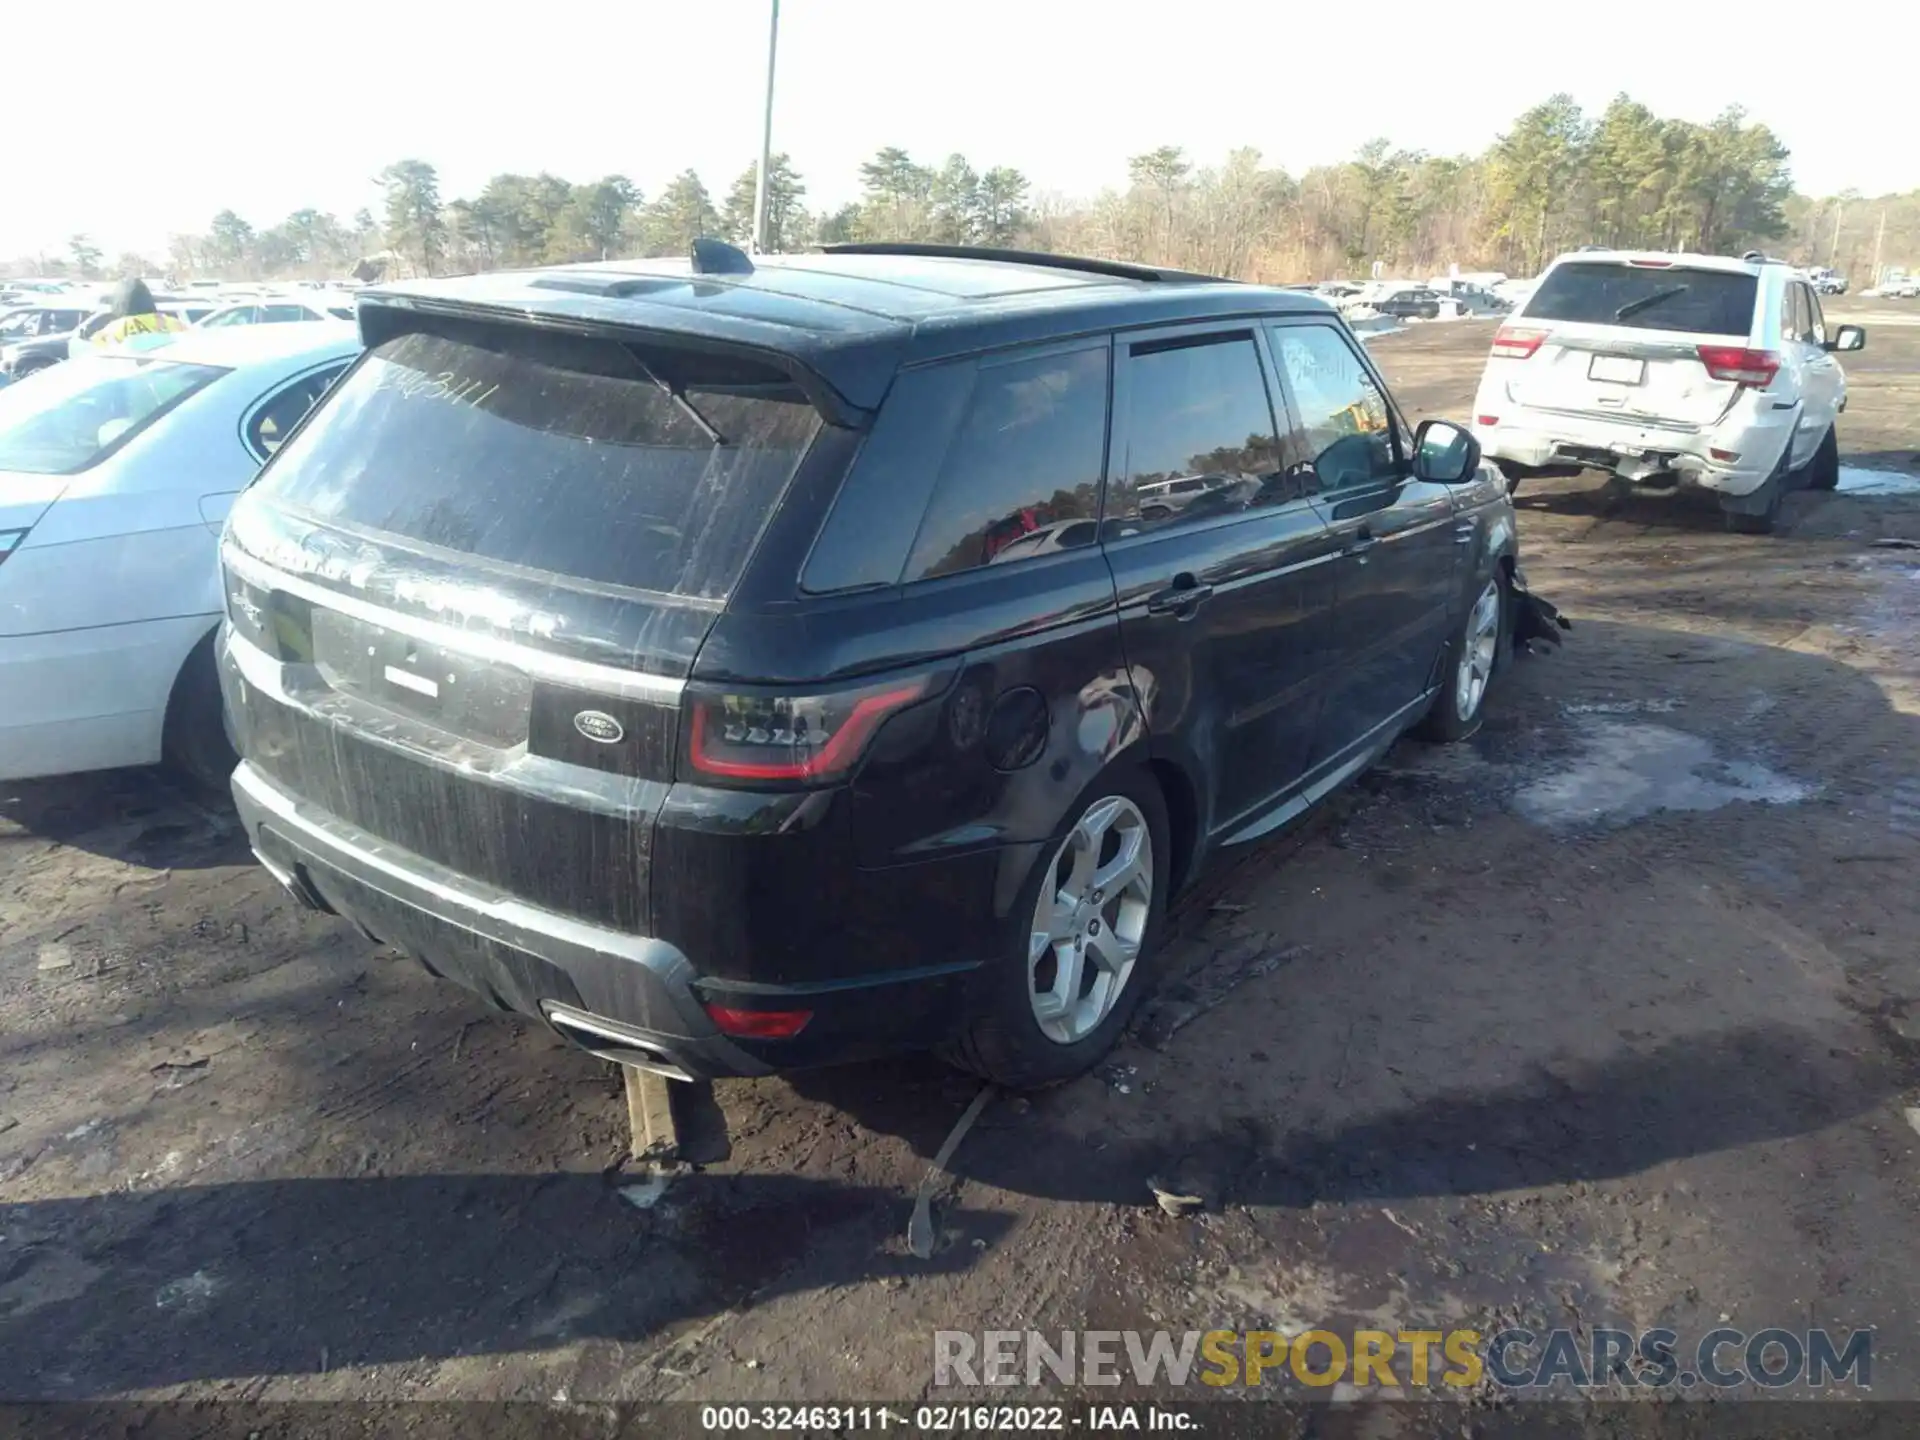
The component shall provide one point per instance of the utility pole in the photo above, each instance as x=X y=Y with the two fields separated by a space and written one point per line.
x=766 y=139
x=1879 y=239
x=1833 y=250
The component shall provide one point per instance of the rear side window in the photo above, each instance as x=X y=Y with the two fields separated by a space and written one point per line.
x=650 y=469
x=1022 y=476
x=1197 y=416
x=1670 y=297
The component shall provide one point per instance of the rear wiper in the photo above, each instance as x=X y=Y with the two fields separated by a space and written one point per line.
x=678 y=395
x=1647 y=302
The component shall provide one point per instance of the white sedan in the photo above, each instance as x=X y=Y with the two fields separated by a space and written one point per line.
x=116 y=473
x=278 y=310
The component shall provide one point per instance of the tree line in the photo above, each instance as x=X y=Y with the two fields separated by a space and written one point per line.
x=1557 y=178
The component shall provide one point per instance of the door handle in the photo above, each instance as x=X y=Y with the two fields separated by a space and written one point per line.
x=1182 y=598
x=1360 y=544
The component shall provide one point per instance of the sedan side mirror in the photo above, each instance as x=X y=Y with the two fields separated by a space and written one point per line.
x=1444 y=453
x=1848 y=337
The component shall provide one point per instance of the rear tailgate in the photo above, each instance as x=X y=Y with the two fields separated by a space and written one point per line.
x=476 y=579
x=1622 y=340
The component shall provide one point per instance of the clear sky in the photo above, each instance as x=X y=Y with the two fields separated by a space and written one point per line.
x=272 y=106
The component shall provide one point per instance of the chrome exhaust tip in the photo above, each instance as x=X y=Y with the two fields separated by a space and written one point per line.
x=610 y=1040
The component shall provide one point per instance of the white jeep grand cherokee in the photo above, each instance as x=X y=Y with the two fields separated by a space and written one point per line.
x=1693 y=369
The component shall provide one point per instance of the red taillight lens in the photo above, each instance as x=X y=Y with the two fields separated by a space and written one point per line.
x=1652 y=264
x=790 y=737
x=759 y=1024
x=1514 y=344
x=1486 y=420
x=1740 y=365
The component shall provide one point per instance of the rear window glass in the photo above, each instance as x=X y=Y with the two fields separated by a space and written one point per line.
x=75 y=415
x=1702 y=302
x=580 y=457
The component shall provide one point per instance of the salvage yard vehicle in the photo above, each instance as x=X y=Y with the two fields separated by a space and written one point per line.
x=1415 y=302
x=33 y=337
x=116 y=471
x=768 y=662
x=1702 y=370
x=279 y=310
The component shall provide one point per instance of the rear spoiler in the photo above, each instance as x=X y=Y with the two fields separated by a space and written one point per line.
x=384 y=315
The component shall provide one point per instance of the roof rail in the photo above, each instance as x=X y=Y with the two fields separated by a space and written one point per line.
x=1119 y=269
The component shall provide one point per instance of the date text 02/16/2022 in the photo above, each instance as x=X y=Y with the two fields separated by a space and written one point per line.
x=941 y=1419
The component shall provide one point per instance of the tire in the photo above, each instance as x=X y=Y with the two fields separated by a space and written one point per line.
x=1774 y=489
x=1003 y=1037
x=1823 y=471
x=194 y=741
x=1468 y=669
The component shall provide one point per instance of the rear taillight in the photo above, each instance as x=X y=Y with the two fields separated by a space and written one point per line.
x=759 y=1024
x=10 y=541
x=1740 y=365
x=790 y=739
x=1511 y=343
x=1651 y=264
x=1486 y=421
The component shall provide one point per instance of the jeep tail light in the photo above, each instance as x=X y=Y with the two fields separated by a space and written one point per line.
x=1740 y=365
x=1486 y=422
x=10 y=541
x=1513 y=343
x=759 y=1024
x=790 y=738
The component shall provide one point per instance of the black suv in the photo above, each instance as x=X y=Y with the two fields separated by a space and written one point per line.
x=750 y=664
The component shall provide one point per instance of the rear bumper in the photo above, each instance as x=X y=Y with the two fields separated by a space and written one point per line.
x=630 y=998
x=1536 y=438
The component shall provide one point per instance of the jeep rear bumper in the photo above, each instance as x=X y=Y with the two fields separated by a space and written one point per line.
x=1637 y=452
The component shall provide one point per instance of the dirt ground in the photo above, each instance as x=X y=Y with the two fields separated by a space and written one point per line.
x=1609 y=1016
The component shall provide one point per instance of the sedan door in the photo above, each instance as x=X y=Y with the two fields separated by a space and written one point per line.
x=1224 y=601
x=1398 y=540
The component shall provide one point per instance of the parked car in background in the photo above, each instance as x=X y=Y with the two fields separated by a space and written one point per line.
x=280 y=310
x=34 y=336
x=834 y=691
x=1469 y=296
x=188 y=312
x=1828 y=282
x=1514 y=293
x=1414 y=302
x=116 y=471
x=1704 y=370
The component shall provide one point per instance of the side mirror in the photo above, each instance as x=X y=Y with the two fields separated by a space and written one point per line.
x=1848 y=337
x=1444 y=453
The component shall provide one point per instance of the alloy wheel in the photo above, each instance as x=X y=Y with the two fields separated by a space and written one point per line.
x=1090 y=920
x=1478 y=653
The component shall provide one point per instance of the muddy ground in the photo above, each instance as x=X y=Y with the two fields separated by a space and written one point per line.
x=1611 y=1015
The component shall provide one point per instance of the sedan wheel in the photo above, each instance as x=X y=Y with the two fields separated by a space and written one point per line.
x=1090 y=920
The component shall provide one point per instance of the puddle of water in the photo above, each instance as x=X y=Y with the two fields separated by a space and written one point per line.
x=1627 y=772
x=1858 y=480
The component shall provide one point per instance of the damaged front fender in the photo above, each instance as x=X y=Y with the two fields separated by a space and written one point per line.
x=1533 y=617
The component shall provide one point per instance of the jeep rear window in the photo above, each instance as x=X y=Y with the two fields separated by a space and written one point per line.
x=646 y=467
x=1671 y=297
